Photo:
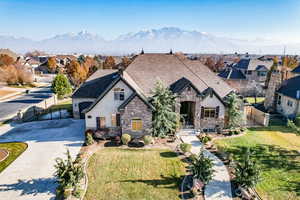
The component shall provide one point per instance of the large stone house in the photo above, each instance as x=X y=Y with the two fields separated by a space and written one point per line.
x=119 y=100
x=248 y=76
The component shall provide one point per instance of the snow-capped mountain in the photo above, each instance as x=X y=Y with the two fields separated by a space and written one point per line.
x=154 y=40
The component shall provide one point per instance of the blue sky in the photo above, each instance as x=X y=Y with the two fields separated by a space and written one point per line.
x=274 y=19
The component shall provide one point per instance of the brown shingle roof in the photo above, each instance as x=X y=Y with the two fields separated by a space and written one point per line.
x=146 y=69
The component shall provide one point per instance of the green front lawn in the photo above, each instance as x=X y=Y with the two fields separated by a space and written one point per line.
x=65 y=105
x=276 y=152
x=15 y=149
x=252 y=99
x=134 y=174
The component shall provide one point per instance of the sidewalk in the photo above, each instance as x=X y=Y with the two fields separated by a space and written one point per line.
x=219 y=188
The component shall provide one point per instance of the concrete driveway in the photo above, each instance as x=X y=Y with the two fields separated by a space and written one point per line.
x=30 y=176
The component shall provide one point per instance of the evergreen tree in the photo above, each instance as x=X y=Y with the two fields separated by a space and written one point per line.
x=61 y=86
x=235 y=115
x=165 y=119
x=202 y=167
x=247 y=171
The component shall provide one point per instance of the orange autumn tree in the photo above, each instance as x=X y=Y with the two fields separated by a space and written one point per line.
x=109 y=63
x=51 y=64
x=6 y=60
x=76 y=72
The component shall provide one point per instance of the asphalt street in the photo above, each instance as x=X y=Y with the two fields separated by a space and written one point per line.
x=11 y=107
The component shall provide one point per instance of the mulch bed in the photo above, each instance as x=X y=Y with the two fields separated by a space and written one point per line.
x=3 y=154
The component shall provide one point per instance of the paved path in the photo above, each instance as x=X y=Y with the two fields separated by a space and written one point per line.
x=30 y=176
x=219 y=188
x=11 y=107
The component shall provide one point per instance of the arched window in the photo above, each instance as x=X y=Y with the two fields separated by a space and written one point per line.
x=119 y=94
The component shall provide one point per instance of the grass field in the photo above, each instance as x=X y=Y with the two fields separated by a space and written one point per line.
x=276 y=151
x=252 y=99
x=134 y=174
x=15 y=149
x=63 y=105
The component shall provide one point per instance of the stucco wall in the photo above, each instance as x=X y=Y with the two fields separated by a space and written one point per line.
x=106 y=107
x=75 y=104
x=136 y=108
x=288 y=111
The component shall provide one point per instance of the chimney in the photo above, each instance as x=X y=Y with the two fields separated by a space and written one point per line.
x=298 y=94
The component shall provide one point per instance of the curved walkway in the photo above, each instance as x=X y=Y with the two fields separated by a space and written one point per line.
x=219 y=188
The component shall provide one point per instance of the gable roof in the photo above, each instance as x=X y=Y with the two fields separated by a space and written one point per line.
x=210 y=91
x=296 y=70
x=146 y=69
x=290 y=87
x=253 y=64
x=181 y=84
x=113 y=82
x=131 y=97
x=95 y=87
x=232 y=73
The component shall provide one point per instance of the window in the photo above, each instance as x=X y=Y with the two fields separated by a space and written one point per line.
x=119 y=94
x=290 y=103
x=249 y=72
x=279 y=100
x=136 y=124
x=209 y=112
x=261 y=73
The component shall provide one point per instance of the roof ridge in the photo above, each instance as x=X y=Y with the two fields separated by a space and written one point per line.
x=191 y=70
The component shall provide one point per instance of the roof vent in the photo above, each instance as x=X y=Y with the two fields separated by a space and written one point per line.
x=171 y=52
x=298 y=94
x=142 y=52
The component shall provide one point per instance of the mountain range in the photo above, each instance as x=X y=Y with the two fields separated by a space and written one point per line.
x=154 y=40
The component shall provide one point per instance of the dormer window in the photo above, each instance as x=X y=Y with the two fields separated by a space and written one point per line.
x=119 y=94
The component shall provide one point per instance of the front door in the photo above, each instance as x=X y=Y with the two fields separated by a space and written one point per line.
x=187 y=113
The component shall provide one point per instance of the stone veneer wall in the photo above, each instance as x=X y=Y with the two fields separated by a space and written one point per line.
x=136 y=108
x=208 y=123
x=190 y=95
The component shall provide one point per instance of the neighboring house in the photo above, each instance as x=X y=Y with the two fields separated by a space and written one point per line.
x=121 y=100
x=283 y=93
x=248 y=76
x=254 y=69
x=288 y=98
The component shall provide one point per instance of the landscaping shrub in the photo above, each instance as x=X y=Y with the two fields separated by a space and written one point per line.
x=68 y=174
x=61 y=86
x=147 y=139
x=89 y=139
x=236 y=131
x=201 y=167
x=185 y=147
x=126 y=138
x=204 y=139
x=297 y=121
x=292 y=126
x=247 y=171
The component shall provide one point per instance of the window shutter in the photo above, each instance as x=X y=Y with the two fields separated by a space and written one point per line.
x=217 y=111
x=202 y=112
x=118 y=116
